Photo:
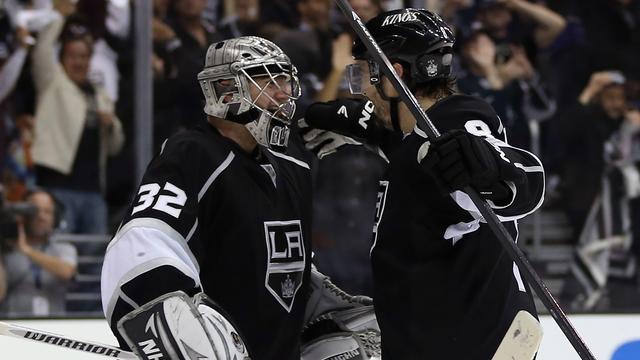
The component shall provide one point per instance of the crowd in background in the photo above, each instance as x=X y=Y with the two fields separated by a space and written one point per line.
x=564 y=77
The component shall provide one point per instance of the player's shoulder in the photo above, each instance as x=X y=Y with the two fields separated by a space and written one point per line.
x=455 y=110
x=202 y=142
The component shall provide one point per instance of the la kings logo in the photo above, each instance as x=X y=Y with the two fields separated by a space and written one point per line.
x=432 y=68
x=286 y=260
x=398 y=18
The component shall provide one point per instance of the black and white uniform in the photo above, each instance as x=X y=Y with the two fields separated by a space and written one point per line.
x=208 y=216
x=444 y=286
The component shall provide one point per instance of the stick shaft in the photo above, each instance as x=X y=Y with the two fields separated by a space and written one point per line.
x=45 y=337
x=503 y=236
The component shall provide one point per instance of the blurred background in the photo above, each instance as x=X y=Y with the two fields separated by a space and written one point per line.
x=89 y=90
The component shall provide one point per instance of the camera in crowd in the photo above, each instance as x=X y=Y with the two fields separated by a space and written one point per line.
x=8 y=217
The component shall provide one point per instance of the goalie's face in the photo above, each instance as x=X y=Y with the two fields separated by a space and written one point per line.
x=272 y=89
x=272 y=94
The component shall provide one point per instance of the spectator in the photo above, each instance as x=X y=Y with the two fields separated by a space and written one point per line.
x=11 y=64
x=334 y=84
x=457 y=13
x=19 y=172
x=245 y=20
x=108 y=22
x=16 y=170
x=311 y=47
x=195 y=34
x=37 y=272
x=76 y=128
x=335 y=79
x=496 y=17
x=613 y=33
x=165 y=45
x=501 y=82
x=583 y=130
x=366 y=9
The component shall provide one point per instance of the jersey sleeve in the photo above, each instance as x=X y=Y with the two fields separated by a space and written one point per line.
x=478 y=118
x=149 y=256
x=527 y=196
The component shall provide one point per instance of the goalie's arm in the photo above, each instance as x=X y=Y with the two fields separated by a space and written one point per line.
x=142 y=264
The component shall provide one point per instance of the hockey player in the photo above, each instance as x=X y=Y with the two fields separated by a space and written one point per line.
x=443 y=286
x=223 y=217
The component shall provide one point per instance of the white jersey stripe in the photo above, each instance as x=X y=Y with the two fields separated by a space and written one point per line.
x=529 y=168
x=162 y=227
x=215 y=174
x=289 y=158
x=192 y=231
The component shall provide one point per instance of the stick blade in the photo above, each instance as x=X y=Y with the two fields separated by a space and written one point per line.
x=522 y=340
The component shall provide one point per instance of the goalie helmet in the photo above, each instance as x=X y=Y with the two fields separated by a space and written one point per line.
x=416 y=37
x=250 y=80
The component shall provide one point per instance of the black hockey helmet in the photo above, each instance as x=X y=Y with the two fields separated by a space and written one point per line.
x=417 y=37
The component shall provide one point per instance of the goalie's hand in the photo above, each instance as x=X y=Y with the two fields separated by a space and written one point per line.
x=458 y=159
x=349 y=117
x=176 y=327
x=323 y=142
x=326 y=297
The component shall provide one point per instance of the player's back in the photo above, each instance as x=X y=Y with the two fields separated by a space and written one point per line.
x=444 y=287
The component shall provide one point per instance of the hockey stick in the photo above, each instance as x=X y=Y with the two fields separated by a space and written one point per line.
x=425 y=124
x=522 y=339
x=63 y=341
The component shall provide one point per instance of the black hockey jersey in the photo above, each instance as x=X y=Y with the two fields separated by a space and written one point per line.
x=444 y=287
x=208 y=215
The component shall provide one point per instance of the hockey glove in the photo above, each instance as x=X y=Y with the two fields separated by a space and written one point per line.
x=325 y=297
x=175 y=327
x=349 y=117
x=338 y=324
x=323 y=142
x=458 y=159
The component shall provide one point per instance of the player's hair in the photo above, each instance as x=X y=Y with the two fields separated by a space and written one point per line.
x=436 y=88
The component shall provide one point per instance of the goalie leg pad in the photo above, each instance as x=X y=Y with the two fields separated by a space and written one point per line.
x=336 y=346
x=173 y=327
x=335 y=335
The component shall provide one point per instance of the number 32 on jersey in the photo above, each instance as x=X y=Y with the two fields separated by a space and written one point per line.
x=170 y=201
